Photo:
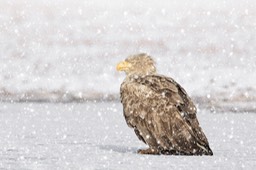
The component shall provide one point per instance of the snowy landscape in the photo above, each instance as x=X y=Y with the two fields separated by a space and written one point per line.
x=59 y=88
x=95 y=136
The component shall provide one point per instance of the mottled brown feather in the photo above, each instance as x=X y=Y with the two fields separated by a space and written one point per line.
x=162 y=115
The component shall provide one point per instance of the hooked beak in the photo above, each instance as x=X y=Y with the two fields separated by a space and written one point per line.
x=122 y=66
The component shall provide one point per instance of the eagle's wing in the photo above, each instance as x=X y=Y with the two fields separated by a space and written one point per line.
x=158 y=107
x=186 y=106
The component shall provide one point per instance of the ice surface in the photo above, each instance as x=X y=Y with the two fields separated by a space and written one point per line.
x=66 y=50
x=95 y=136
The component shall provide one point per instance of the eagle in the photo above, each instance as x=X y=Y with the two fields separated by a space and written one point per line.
x=159 y=110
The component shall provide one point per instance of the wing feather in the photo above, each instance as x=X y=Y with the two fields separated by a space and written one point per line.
x=153 y=106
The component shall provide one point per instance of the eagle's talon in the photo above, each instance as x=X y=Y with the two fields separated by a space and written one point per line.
x=148 y=151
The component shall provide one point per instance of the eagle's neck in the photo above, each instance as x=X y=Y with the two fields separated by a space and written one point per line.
x=132 y=77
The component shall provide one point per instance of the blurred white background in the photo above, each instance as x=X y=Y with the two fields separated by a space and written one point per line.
x=68 y=50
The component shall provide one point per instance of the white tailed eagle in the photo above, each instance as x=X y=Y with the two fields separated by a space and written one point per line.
x=159 y=110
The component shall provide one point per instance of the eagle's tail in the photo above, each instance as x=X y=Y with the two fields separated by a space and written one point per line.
x=205 y=150
x=209 y=151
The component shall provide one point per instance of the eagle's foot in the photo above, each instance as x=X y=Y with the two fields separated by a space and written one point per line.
x=150 y=151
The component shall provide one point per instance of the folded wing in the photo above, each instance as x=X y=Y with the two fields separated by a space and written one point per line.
x=163 y=115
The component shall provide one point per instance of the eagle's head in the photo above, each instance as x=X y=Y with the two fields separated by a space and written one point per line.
x=139 y=64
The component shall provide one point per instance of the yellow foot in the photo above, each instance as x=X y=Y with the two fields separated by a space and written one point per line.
x=149 y=151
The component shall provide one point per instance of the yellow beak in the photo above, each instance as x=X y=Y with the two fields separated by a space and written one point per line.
x=123 y=66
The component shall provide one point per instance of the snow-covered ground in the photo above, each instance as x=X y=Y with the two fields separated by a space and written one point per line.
x=95 y=136
x=67 y=50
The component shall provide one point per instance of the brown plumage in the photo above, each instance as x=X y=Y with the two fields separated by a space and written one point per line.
x=159 y=110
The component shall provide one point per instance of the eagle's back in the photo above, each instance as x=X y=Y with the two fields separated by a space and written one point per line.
x=162 y=114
